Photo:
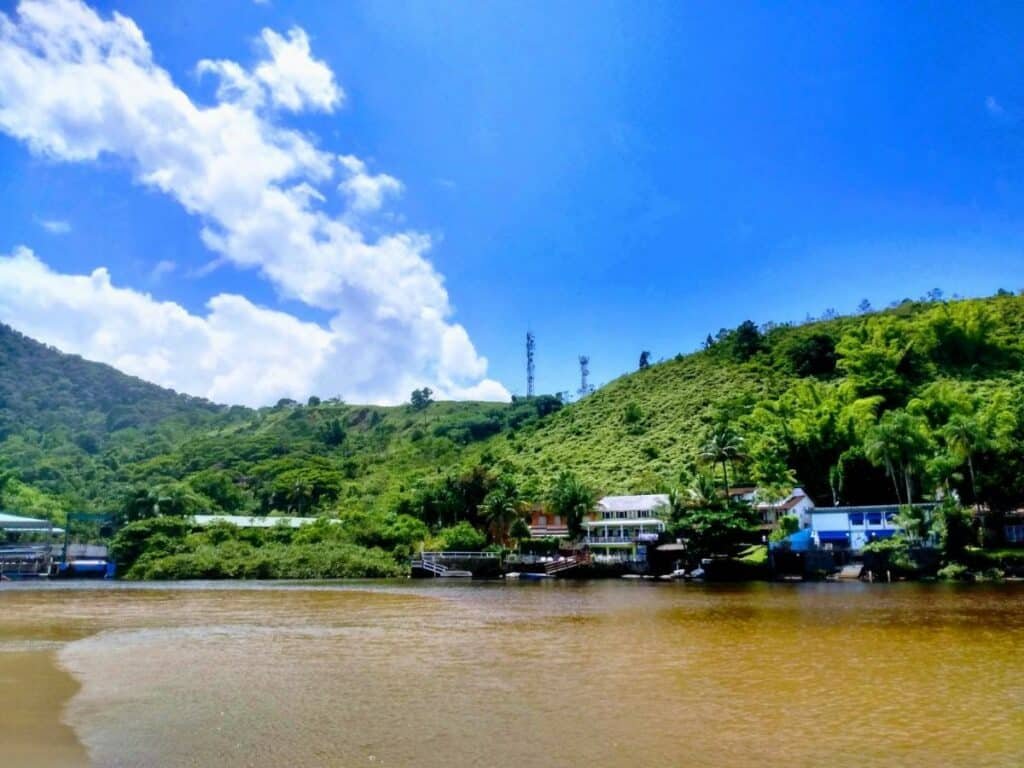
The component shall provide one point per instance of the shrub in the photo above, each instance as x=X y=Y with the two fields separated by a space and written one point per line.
x=160 y=535
x=955 y=572
x=462 y=537
x=234 y=560
x=632 y=413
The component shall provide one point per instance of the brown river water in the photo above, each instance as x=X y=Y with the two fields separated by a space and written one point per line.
x=440 y=674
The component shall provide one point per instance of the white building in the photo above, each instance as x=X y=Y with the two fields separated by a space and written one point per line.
x=622 y=526
x=246 y=521
x=797 y=504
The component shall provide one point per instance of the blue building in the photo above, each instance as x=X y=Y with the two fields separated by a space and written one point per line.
x=849 y=528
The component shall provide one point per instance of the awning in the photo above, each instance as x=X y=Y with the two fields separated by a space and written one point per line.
x=833 y=537
x=28 y=524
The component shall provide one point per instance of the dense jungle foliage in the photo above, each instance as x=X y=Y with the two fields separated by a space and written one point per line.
x=922 y=400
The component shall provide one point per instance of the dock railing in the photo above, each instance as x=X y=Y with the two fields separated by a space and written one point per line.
x=439 y=563
x=458 y=555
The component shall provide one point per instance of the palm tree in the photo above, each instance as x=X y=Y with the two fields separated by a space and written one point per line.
x=723 y=446
x=898 y=442
x=701 y=492
x=572 y=500
x=501 y=508
x=965 y=437
x=881 y=449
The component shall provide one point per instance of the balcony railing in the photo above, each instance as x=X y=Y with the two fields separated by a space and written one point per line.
x=598 y=540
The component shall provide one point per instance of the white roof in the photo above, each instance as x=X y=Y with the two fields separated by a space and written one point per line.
x=644 y=502
x=792 y=499
x=30 y=524
x=243 y=521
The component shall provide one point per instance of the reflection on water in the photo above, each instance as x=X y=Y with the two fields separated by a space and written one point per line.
x=599 y=674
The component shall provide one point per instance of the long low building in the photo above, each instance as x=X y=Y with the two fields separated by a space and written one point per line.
x=246 y=521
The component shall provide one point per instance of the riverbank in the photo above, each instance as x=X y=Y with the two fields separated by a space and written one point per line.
x=36 y=691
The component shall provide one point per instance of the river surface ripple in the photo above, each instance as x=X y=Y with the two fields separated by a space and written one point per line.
x=473 y=674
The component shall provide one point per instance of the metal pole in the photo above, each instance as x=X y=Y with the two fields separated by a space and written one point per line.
x=67 y=532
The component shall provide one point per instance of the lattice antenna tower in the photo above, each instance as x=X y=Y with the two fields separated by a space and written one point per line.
x=585 y=389
x=531 y=343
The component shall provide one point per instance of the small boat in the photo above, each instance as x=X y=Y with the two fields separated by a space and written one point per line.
x=533 y=576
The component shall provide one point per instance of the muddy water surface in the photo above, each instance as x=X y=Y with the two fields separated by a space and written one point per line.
x=555 y=674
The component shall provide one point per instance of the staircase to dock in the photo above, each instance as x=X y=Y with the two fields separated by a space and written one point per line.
x=430 y=566
x=453 y=564
x=566 y=564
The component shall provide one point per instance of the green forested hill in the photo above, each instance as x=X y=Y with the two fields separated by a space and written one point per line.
x=68 y=426
x=639 y=432
x=45 y=390
x=921 y=398
x=806 y=403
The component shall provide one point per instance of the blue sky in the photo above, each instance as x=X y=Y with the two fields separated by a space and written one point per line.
x=617 y=176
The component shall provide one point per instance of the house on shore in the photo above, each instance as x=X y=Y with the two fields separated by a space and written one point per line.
x=544 y=525
x=849 y=529
x=797 y=503
x=622 y=527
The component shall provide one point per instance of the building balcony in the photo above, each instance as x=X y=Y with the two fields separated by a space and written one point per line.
x=598 y=540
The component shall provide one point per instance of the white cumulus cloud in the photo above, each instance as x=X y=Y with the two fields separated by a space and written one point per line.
x=75 y=86
x=290 y=78
x=294 y=78
x=366 y=192
x=236 y=352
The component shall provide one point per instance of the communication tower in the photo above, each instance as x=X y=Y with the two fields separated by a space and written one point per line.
x=585 y=388
x=530 y=344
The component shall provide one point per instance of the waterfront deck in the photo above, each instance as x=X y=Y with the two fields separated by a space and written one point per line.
x=26 y=561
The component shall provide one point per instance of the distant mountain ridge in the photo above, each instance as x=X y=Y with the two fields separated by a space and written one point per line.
x=44 y=388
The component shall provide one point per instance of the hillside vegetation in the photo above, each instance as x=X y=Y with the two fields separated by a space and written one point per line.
x=802 y=401
x=920 y=400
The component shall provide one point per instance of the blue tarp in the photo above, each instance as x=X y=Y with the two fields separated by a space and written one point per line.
x=799 y=541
